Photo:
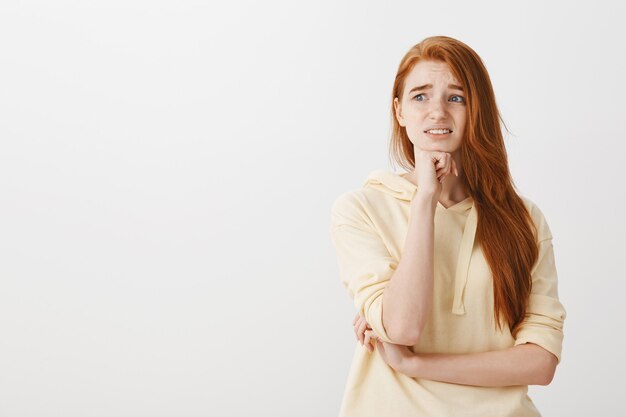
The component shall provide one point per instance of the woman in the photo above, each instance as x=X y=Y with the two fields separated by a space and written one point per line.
x=451 y=271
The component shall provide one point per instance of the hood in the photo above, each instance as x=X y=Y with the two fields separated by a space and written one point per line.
x=393 y=184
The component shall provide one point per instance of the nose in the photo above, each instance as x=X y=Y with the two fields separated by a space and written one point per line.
x=437 y=109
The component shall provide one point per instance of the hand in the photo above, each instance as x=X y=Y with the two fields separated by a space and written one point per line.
x=431 y=168
x=397 y=356
x=364 y=333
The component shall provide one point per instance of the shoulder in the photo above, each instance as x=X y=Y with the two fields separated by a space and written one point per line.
x=350 y=207
x=538 y=217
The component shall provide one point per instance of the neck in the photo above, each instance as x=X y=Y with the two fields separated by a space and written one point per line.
x=453 y=189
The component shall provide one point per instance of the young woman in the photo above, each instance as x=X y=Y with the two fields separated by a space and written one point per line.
x=452 y=272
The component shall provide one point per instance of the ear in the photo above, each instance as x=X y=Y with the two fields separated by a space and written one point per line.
x=398 y=111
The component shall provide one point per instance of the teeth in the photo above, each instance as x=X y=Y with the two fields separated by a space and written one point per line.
x=438 y=131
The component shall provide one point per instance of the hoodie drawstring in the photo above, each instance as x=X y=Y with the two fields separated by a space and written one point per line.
x=462 y=265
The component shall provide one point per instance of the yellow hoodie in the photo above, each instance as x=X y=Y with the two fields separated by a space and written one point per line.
x=368 y=229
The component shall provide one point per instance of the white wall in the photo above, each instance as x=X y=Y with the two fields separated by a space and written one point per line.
x=166 y=175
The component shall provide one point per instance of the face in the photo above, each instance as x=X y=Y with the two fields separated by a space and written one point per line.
x=432 y=98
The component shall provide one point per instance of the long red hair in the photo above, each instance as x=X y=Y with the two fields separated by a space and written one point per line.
x=505 y=229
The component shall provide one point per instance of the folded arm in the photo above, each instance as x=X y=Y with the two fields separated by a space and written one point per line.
x=526 y=364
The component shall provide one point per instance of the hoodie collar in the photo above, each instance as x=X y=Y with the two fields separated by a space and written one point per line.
x=399 y=187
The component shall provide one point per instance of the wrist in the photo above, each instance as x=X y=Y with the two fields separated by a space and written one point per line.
x=413 y=366
x=424 y=200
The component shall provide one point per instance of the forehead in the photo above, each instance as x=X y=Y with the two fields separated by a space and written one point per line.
x=430 y=72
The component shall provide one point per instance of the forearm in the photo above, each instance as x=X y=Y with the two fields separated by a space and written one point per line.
x=526 y=364
x=407 y=300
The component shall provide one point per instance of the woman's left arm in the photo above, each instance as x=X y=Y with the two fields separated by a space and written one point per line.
x=533 y=358
x=525 y=364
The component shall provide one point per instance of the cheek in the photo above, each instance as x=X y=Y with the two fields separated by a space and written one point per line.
x=460 y=114
x=461 y=121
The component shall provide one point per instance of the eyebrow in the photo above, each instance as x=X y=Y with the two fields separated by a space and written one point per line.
x=427 y=86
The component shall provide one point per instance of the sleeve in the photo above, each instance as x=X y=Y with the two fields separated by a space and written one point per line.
x=545 y=315
x=365 y=264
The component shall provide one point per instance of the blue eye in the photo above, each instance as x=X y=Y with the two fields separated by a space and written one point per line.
x=456 y=101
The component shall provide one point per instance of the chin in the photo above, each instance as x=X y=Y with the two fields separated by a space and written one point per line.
x=440 y=147
x=443 y=146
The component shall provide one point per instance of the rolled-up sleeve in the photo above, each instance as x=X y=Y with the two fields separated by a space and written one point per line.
x=365 y=264
x=545 y=315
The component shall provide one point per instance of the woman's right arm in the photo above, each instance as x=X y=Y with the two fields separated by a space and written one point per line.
x=374 y=277
x=407 y=300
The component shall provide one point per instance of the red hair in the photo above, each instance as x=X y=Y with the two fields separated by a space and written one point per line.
x=505 y=229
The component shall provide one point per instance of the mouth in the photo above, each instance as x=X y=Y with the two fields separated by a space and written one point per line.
x=438 y=133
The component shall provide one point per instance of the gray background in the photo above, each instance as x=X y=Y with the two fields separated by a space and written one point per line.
x=167 y=170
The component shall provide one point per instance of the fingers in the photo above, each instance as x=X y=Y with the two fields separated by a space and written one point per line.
x=356 y=326
x=357 y=323
x=366 y=340
x=445 y=165
x=364 y=333
x=369 y=337
x=443 y=172
x=361 y=330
